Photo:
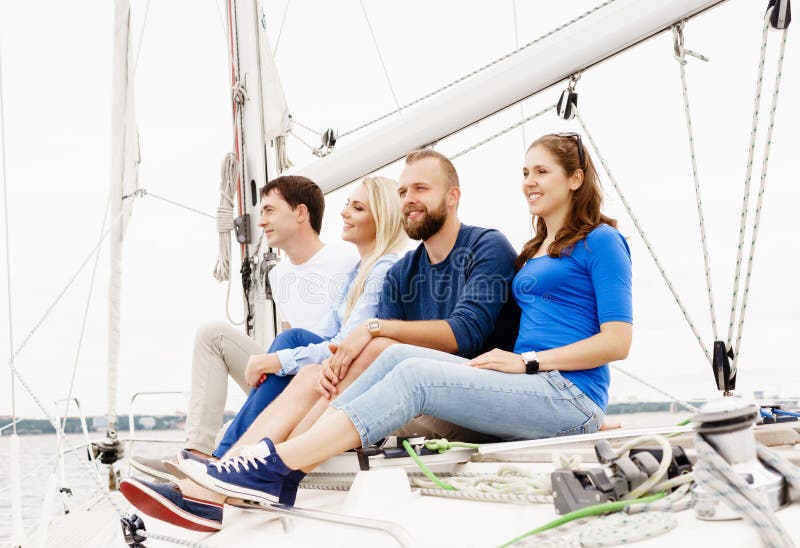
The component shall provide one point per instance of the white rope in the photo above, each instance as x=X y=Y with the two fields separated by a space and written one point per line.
x=227 y=195
x=646 y=241
x=477 y=71
x=748 y=174
x=680 y=55
x=714 y=473
x=679 y=401
x=305 y=127
x=507 y=480
x=502 y=132
x=312 y=148
x=760 y=199
x=8 y=245
x=380 y=57
x=622 y=528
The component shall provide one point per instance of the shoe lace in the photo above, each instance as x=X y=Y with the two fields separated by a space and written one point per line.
x=245 y=459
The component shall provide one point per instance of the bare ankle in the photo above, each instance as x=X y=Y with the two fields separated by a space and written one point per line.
x=200 y=453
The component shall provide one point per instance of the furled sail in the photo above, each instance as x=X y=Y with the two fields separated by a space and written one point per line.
x=124 y=180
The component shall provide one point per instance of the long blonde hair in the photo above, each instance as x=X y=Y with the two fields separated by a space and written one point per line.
x=389 y=234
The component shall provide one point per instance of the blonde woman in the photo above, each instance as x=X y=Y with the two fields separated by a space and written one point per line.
x=372 y=222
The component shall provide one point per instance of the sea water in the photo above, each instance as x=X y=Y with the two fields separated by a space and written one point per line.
x=37 y=456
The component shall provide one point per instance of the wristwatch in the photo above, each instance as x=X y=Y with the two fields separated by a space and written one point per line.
x=530 y=361
x=374 y=327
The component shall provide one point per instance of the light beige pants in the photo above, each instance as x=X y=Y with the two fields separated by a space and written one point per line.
x=220 y=350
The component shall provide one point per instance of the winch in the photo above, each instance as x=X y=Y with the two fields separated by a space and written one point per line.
x=726 y=425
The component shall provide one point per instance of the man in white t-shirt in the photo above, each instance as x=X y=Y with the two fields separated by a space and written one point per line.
x=304 y=285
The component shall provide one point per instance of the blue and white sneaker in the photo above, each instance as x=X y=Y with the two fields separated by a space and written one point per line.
x=257 y=473
x=165 y=501
x=291 y=484
x=288 y=493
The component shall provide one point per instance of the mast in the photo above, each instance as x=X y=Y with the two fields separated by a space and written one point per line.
x=260 y=119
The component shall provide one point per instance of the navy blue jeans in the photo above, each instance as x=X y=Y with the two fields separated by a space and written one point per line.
x=261 y=396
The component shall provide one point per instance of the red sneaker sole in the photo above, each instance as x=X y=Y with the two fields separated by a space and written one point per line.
x=152 y=504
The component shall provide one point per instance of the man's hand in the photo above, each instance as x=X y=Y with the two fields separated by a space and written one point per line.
x=259 y=366
x=349 y=349
x=498 y=360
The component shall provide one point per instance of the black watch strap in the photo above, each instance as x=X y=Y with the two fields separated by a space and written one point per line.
x=532 y=367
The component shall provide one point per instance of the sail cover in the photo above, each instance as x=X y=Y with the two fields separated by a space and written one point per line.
x=598 y=36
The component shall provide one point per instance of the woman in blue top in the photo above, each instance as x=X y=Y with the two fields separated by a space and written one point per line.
x=372 y=222
x=574 y=288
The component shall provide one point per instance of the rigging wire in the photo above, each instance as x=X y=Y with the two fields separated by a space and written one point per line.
x=521 y=105
x=83 y=328
x=280 y=29
x=644 y=238
x=8 y=250
x=380 y=57
x=141 y=36
x=479 y=69
x=173 y=202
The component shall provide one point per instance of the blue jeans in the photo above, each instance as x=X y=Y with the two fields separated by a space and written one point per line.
x=261 y=396
x=406 y=381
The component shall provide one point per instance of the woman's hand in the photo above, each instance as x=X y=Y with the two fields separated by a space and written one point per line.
x=499 y=360
x=349 y=349
x=259 y=366
x=326 y=385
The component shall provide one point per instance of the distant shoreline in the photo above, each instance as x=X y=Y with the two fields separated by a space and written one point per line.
x=144 y=423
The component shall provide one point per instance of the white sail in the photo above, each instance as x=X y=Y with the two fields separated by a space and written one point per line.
x=582 y=44
x=124 y=180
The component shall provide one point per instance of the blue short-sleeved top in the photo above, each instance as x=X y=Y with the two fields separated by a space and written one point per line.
x=565 y=299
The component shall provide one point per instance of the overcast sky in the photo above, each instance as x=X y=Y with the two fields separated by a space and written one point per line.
x=56 y=60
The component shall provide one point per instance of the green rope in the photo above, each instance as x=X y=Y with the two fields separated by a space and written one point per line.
x=598 y=509
x=443 y=445
x=684 y=422
x=425 y=470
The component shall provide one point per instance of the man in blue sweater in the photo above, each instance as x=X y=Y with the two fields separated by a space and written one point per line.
x=452 y=293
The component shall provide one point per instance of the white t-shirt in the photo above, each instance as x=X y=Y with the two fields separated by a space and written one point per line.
x=304 y=293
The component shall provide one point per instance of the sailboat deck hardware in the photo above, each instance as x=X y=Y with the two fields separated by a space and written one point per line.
x=131 y=525
x=241 y=225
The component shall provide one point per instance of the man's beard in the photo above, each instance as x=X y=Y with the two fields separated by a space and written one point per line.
x=431 y=223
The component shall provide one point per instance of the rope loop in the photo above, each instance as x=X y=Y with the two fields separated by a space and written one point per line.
x=239 y=93
x=224 y=219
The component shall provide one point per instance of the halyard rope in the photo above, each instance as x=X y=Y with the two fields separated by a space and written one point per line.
x=680 y=55
x=762 y=184
x=714 y=473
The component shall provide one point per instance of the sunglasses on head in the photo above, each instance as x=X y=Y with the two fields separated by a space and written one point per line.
x=577 y=137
